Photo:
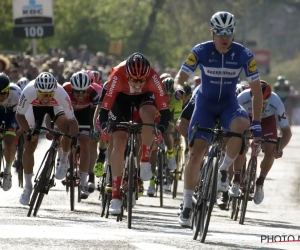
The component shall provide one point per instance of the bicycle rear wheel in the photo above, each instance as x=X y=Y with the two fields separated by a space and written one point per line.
x=252 y=165
x=177 y=171
x=130 y=189
x=71 y=181
x=38 y=204
x=210 y=191
x=160 y=165
x=19 y=166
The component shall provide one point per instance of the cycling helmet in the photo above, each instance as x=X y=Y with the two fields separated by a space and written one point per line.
x=23 y=82
x=4 y=82
x=137 y=66
x=169 y=85
x=281 y=79
x=187 y=89
x=97 y=76
x=164 y=76
x=266 y=89
x=222 y=20
x=45 y=82
x=80 y=81
x=90 y=75
x=240 y=88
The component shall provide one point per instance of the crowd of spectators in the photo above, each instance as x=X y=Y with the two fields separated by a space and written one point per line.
x=62 y=64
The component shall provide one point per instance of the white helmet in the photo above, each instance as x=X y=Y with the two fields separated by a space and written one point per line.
x=23 y=82
x=240 y=87
x=45 y=82
x=222 y=20
x=80 y=81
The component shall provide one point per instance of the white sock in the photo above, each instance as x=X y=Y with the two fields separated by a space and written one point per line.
x=59 y=152
x=226 y=163
x=83 y=177
x=187 y=198
x=7 y=169
x=64 y=157
x=28 y=182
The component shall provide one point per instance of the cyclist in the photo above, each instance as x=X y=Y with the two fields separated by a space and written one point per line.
x=282 y=88
x=273 y=111
x=94 y=142
x=9 y=98
x=132 y=81
x=220 y=61
x=98 y=77
x=84 y=99
x=23 y=82
x=46 y=97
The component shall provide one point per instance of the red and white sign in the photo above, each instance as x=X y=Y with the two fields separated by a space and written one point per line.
x=262 y=56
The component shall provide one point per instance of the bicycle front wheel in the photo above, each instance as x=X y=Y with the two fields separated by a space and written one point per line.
x=160 y=165
x=70 y=175
x=130 y=189
x=210 y=191
x=252 y=165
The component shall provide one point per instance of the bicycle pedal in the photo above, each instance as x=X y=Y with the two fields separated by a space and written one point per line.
x=64 y=182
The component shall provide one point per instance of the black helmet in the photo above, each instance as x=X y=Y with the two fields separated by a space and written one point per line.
x=169 y=85
x=4 y=82
x=137 y=66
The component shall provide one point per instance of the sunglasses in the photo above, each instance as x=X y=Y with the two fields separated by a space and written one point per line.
x=131 y=79
x=224 y=32
x=45 y=94
x=79 y=91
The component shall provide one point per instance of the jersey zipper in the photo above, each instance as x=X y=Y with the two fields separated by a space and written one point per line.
x=221 y=77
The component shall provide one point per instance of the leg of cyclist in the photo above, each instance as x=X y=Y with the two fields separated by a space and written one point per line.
x=147 y=114
x=153 y=159
x=68 y=127
x=99 y=164
x=169 y=141
x=84 y=143
x=269 y=128
x=93 y=156
x=10 y=149
x=238 y=125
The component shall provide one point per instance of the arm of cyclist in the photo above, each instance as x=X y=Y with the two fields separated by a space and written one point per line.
x=286 y=136
x=257 y=108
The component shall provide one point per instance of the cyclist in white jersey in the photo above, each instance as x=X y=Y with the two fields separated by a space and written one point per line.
x=9 y=97
x=46 y=97
x=273 y=112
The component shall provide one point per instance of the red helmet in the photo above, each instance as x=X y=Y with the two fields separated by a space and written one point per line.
x=137 y=66
x=266 y=89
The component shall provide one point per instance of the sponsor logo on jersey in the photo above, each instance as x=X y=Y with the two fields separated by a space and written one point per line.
x=252 y=66
x=233 y=63
x=112 y=86
x=221 y=72
x=213 y=60
x=191 y=60
x=158 y=85
x=253 y=78
x=22 y=100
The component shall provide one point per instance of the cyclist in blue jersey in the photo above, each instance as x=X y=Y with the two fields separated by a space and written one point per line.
x=221 y=61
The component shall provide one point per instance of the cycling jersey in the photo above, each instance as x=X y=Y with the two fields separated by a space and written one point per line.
x=175 y=107
x=118 y=83
x=274 y=106
x=91 y=99
x=10 y=104
x=59 y=100
x=219 y=76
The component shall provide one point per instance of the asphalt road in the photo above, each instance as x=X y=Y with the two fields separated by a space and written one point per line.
x=56 y=227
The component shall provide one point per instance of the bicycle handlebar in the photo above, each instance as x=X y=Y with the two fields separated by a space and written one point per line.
x=132 y=126
x=217 y=132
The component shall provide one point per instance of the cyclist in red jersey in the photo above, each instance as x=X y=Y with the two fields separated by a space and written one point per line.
x=132 y=81
x=84 y=99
